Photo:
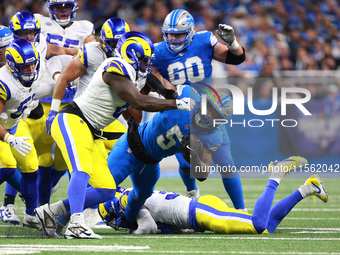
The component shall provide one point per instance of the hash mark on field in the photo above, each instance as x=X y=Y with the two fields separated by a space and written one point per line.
x=29 y=248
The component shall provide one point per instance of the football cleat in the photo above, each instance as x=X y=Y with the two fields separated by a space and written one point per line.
x=279 y=169
x=193 y=193
x=47 y=220
x=7 y=214
x=31 y=222
x=80 y=230
x=316 y=188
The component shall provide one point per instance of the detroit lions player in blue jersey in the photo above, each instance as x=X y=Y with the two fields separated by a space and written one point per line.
x=184 y=58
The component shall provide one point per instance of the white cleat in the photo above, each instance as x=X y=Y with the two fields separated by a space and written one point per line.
x=279 y=169
x=47 y=219
x=193 y=193
x=31 y=222
x=93 y=219
x=77 y=230
x=7 y=214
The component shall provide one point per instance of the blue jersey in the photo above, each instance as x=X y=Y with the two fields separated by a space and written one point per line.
x=191 y=65
x=162 y=134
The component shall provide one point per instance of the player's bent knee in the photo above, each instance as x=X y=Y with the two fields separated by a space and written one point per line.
x=259 y=224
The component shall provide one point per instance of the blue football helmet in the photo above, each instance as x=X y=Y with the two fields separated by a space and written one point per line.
x=21 y=53
x=138 y=50
x=110 y=33
x=25 y=21
x=6 y=36
x=55 y=12
x=215 y=110
x=178 y=22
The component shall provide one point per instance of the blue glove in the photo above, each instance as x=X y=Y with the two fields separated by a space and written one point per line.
x=50 y=117
x=124 y=223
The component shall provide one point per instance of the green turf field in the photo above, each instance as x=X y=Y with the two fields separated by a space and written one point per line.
x=313 y=227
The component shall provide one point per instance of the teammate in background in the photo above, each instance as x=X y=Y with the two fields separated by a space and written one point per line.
x=18 y=84
x=59 y=29
x=112 y=89
x=184 y=57
x=24 y=25
x=173 y=213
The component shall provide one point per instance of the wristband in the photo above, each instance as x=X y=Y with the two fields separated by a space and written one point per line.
x=6 y=137
x=55 y=105
x=234 y=45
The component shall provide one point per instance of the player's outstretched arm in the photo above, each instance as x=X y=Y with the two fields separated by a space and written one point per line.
x=127 y=91
x=231 y=53
x=55 y=50
x=165 y=82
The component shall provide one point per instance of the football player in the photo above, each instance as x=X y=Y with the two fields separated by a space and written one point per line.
x=184 y=57
x=111 y=91
x=173 y=213
x=25 y=25
x=59 y=29
x=18 y=85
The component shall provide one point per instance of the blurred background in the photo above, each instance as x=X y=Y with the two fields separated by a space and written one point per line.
x=294 y=43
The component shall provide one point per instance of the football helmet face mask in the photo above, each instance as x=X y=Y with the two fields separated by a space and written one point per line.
x=178 y=22
x=110 y=33
x=214 y=110
x=26 y=26
x=62 y=11
x=21 y=55
x=138 y=50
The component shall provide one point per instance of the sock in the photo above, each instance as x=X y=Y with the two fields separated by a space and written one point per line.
x=281 y=209
x=6 y=173
x=134 y=205
x=263 y=205
x=304 y=191
x=77 y=217
x=62 y=220
x=44 y=184
x=233 y=186
x=58 y=208
x=190 y=183
x=15 y=180
x=77 y=190
x=29 y=191
x=56 y=175
x=93 y=197
x=10 y=194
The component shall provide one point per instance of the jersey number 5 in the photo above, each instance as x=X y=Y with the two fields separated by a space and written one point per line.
x=192 y=70
x=170 y=136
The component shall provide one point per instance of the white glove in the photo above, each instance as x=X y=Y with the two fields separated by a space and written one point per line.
x=185 y=104
x=18 y=143
x=227 y=34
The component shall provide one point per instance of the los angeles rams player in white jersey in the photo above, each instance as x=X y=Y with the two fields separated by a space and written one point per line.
x=25 y=25
x=185 y=58
x=59 y=29
x=7 y=211
x=18 y=85
x=172 y=213
x=111 y=91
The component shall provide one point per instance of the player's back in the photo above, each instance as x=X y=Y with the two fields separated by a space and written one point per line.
x=193 y=64
x=162 y=134
x=169 y=208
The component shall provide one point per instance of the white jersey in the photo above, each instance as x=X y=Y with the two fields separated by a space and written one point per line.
x=91 y=55
x=169 y=208
x=99 y=103
x=72 y=36
x=42 y=49
x=17 y=97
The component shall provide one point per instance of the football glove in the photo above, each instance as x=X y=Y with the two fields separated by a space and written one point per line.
x=50 y=117
x=124 y=223
x=227 y=34
x=185 y=104
x=18 y=143
x=169 y=94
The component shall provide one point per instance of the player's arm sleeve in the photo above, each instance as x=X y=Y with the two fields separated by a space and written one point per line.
x=5 y=92
x=146 y=224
